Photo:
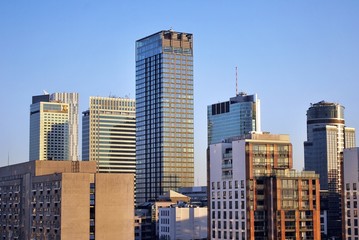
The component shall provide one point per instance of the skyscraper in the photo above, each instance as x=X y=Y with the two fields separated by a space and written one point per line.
x=240 y=115
x=49 y=135
x=164 y=113
x=109 y=134
x=73 y=100
x=327 y=136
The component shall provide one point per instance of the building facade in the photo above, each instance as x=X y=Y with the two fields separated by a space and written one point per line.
x=255 y=194
x=183 y=222
x=72 y=99
x=109 y=134
x=350 y=193
x=49 y=129
x=164 y=113
x=327 y=136
x=240 y=115
x=65 y=200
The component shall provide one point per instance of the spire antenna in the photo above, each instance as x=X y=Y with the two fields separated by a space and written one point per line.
x=236 y=82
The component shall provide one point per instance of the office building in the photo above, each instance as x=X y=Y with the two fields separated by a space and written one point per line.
x=183 y=221
x=109 y=134
x=327 y=136
x=240 y=115
x=72 y=99
x=65 y=200
x=164 y=114
x=350 y=193
x=255 y=194
x=49 y=134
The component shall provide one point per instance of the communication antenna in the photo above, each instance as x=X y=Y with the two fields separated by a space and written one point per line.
x=236 y=82
x=8 y=158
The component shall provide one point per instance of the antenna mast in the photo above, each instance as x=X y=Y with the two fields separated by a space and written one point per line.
x=236 y=82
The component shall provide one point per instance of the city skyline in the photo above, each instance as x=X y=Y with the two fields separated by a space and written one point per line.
x=290 y=54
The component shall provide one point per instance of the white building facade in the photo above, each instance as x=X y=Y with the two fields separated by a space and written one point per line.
x=185 y=223
x=72 y=99
x=350 y=193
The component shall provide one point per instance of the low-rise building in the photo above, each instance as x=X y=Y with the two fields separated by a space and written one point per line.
x=182 y=221
x=65 y=200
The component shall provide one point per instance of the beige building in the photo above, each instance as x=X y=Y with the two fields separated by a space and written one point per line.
x=65 y=200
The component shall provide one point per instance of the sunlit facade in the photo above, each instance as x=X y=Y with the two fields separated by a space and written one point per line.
x=164 y=113
x=327 y=136
x=109 y=134
x=49 y=124
x=240 y=115
x=73 y=100
x=255 y=193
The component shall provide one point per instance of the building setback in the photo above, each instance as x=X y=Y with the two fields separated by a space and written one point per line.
x=164 y=114
x=109 y=134
x=65 y=200
x=49 y=129
x=327 y=136
x=240 y=115
x=255 y=194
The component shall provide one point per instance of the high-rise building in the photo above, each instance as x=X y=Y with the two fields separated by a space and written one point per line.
x=65 y=200
x=327 y=136
x=255 y=194
x=49 y=134
x=109 y=134
x=350 y=193
x=240 y=115
x=164 y=113
x=73 y=100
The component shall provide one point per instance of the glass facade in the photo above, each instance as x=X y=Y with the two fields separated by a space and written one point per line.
x=236 y=117
x=109 y=133
x=164 y=114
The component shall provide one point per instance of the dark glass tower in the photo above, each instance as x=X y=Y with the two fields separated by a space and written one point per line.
x=164 y=113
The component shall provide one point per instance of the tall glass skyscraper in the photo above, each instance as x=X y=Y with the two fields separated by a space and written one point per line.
x=164 y=113
x=240 y=115
x=327 y=136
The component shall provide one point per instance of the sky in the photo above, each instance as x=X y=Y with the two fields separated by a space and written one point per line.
x=291 y=53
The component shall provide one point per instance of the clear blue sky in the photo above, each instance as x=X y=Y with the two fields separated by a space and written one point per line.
x=291 y=53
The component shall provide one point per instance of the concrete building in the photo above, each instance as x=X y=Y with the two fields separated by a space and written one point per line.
x=109 y=134
x=182 y=222
x=147 y=214
x=240 y=115
x=164 y=114
x=49 y=129
x=255 y=194
x=350 y=193
x=72 y=99
x=327 y=136
x=65 y=200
